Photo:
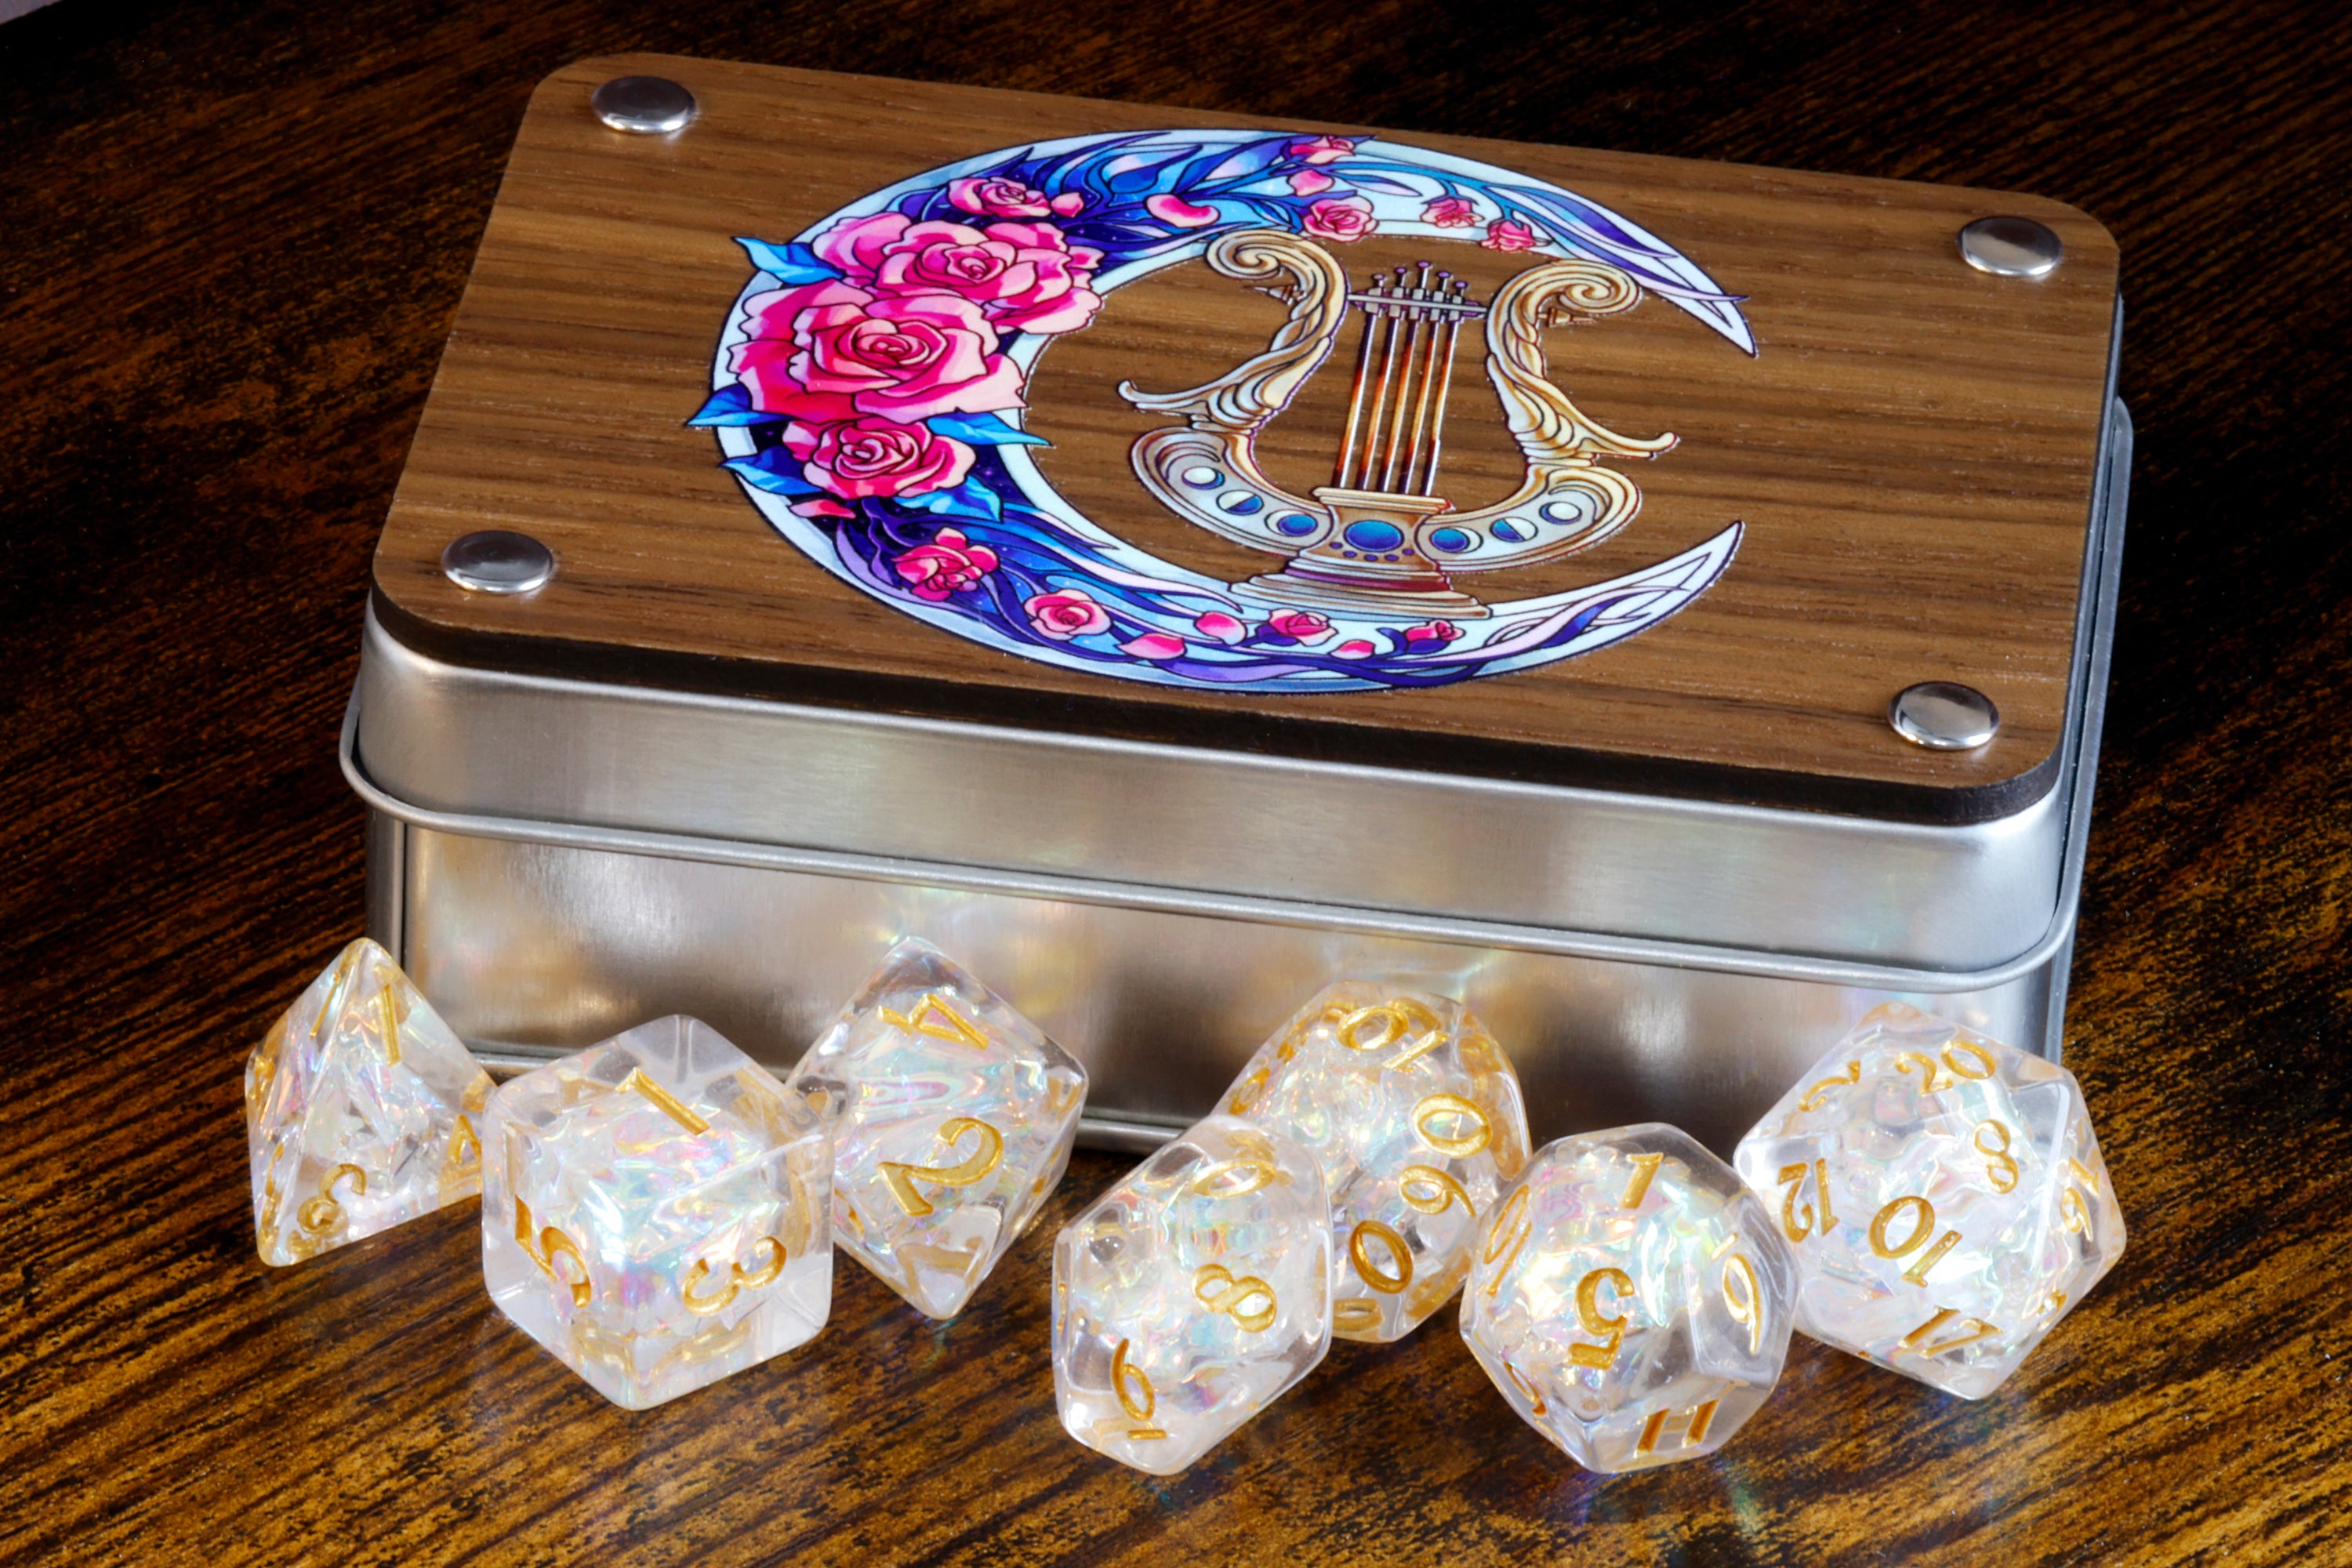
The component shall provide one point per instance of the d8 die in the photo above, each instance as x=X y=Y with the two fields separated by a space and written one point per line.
x=1190 y=1295
x=363 y=1110
x=1944 y=1195
x=1415 y=1116
x=653 y=1212
x=952 y=1119
x=1631 y=1298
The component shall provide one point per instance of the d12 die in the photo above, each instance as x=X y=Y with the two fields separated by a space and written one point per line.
x=953 y=1117
x=363 y=1110
x=1631 y=1298
x=1190 y=1295
x=653 y=1212
x=1944 y=1195
x=1416 y=1119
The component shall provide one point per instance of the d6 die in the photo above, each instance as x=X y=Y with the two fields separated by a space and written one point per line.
x=953 y=1117
x=1415 y=1116
x=1944 y=1195
x=1631 y=1298
x=653 y=1212
x=1190 y=1295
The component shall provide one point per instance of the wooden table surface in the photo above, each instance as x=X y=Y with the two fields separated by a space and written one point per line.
x=234 y=238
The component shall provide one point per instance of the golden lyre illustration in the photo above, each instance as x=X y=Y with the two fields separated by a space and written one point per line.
x=1380 y=539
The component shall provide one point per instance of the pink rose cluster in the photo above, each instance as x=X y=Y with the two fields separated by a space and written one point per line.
x=912 y=328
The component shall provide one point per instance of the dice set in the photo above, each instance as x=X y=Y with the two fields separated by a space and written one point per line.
x=658 y=1210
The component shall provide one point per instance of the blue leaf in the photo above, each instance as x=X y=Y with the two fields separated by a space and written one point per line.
x=982 y=430
x=788 y=263
x=1379 y=182
x=967 y=499
x=732 y=406
x=775 y=471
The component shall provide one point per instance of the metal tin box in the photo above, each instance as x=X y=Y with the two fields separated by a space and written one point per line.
x=1169 y=560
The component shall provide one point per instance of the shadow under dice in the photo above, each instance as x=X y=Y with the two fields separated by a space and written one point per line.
x=363 y=1110
x=953 y=1117
x=1630 y=1299
x=653 y=1211
x=1192 y=1295
x=1416 y=1119
x=1944 y=1196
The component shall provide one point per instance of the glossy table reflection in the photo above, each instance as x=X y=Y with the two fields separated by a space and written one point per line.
x=236 y=240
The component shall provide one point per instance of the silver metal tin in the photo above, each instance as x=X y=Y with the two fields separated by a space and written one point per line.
x=748 y=861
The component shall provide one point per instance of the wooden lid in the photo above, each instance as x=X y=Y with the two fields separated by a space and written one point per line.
x=1882 y=471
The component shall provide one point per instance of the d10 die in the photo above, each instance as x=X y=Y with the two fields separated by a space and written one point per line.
x=1631 y=1298
x=952 y=1119
x=363 y=1110
x=653 y=1212
x=1944 y=1195
x=1190 y=1295
x=1415 y=1116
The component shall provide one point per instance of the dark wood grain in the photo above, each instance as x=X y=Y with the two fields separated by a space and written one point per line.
x=234 y=238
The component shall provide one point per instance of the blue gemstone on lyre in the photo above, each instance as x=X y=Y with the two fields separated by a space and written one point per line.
x=1453 y=540
x=1374 y=537
x=1513 y=530
x=1297 y=524
x=1202 y=479
x=1241 y=503
x=1568 y=512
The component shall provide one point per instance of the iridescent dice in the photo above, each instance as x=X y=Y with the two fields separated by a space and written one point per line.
x=1944 y=1195
x=1415 y=1116
x=1191 y=1294
x=653 y=1212
x=1631 y=1298
x=363 y=1110
x=953 y=1117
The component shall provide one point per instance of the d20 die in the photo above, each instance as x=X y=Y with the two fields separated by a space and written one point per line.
x=653 y=1212
x=1415 y=1116
x=361 y=1110
x=1190 y=1295
x=1631 y=1298
x=1944 y=1195
x=953 y=1117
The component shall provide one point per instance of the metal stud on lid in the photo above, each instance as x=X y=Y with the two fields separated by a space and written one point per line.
x=1943 y=716
x=498 y=561
x=648 y=105
x=2012 y=247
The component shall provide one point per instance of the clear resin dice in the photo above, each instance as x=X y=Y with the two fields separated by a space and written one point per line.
x=653 y=1212
x=952 y=1119
x=1944 y=1196
x=1415 y=1116
x=361 y=1110
x=1190 y=1295
x=1631 y=1298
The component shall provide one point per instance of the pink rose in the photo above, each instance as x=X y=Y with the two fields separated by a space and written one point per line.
x=1307 y=182
x=1449 y=212
x=1046 y=290
x=1026 y=275
x=763 y=362
x=1069 y=204
x=1065 y=614
x=855 y=244
x=1322 y=149
x=997 y=198
x=866 y=456
x=1437 y=632
x=948 y=563
x=1299 y=626
x=904 y=356
x=1178 y=211
x=1504 y=235
x=1354 y=647
x=1154 y=645
x=1342 y=218
x=1222 y=626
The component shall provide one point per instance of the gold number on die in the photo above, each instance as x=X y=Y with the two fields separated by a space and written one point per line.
x=1747 y=1305
x=1390 y=1280
x=1797 y=1223
x=1507 y=1232
x=1645 y=1169
x=934 y=1017
x=990 y=1152
x=546 y=1246
x=736 y=1279
x=1923 y=1225
x=322 y=1213
x=1431 y=1191
x=1974 y=1063
x=1971 y=1330
x=2000 y=1165
x=1216 y=1288
x=2078 y=1200
x=1609 y=1331
x=1135 y=1395
x=1469 y=1129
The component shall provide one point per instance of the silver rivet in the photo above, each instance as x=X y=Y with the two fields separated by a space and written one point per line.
x=2012 y=247
x=649 y=105
x=1943 y=716
x=494 y=561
